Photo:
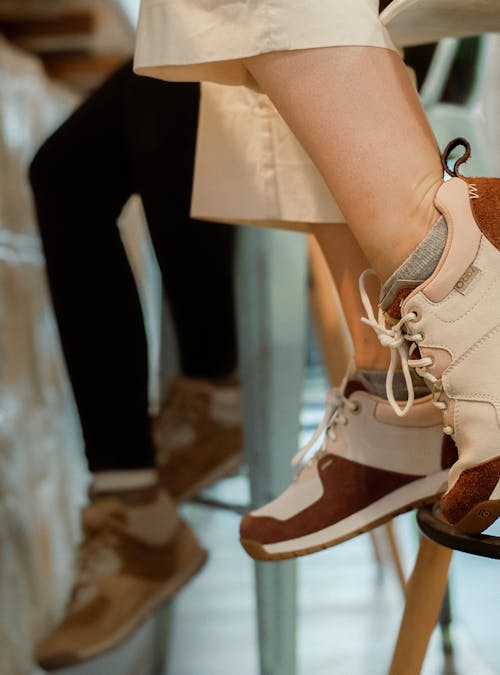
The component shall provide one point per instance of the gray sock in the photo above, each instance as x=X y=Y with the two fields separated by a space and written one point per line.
x=419 y=265
x=374 y=381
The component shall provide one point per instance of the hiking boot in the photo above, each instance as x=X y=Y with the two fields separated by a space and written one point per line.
x=371 y=467
x=135 y=555
x=198 y=436
x=451 y=324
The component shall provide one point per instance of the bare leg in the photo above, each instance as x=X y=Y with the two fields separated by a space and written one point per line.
x=356 y=112
x=346 y=262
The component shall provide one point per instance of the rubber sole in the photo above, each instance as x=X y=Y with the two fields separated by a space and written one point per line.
x=258 y=552
x=480 y=517
x=373 y=516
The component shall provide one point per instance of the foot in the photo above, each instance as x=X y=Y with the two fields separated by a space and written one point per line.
x=198 y=436
x=126 y=572
x=452 y=323
x=371 y=467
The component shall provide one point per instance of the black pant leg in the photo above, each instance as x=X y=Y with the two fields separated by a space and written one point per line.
x=196 y=258
x=81 y=180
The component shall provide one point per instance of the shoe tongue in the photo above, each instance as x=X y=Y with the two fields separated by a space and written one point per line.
x=391 y=303
x=358 y=383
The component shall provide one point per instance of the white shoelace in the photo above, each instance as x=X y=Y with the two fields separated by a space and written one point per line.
x=334 y=414
x=397 y=340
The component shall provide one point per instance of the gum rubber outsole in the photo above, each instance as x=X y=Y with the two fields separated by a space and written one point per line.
x=257 y=551
x=480 y=517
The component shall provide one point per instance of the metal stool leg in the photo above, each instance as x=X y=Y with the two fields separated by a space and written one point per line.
x=162 y=629
x=445 y=620
x=395 y=554
x=272 y=320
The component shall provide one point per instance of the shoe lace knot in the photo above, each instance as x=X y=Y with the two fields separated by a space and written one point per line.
x=403 y=346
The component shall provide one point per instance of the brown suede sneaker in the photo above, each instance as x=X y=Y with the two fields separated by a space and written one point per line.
x=198 y=436
x=129 y=565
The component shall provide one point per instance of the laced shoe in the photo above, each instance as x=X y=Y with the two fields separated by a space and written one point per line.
x=125 y=573
x=198 y=436
x=371 y=467
x=448 y=329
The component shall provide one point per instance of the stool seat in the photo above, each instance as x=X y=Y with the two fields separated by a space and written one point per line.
x=435 y=528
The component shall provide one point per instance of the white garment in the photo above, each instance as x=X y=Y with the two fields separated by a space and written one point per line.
x=249 y=166
x=207 y=39
x=43 y=479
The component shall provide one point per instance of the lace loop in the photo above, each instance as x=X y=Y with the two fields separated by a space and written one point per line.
x=335 y=404
x=397 y=340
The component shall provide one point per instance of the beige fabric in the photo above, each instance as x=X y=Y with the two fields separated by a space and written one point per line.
x=249 y=166
x=207 y=40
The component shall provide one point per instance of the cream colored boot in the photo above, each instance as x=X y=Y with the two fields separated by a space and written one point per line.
x=451 y=323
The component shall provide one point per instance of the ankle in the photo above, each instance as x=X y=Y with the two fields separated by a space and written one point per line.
x=374 y=357
x=418 y=221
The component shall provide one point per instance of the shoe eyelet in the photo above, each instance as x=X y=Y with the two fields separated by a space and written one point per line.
x=418 y=314
x=357 y=408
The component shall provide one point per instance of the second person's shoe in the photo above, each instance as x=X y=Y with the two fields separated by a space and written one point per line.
x=126 y=572
x=198 y=436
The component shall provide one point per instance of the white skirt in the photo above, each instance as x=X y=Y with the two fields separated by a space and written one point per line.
x=249 y=166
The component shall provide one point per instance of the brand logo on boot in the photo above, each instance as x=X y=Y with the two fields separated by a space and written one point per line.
x=473 y=193
x=466 y=279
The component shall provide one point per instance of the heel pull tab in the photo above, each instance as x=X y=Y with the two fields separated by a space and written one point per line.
x=461 y=160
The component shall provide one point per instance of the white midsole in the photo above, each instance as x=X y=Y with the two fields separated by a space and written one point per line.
x=404 y=496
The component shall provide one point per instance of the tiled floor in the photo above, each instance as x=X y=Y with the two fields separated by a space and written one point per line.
x=349 y=606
